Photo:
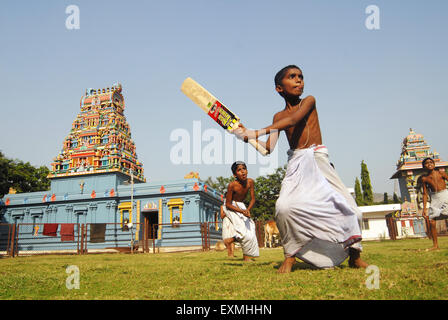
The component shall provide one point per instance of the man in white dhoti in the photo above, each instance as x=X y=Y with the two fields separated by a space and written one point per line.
x=438 y=210
x=242 y=227
x=317 y=218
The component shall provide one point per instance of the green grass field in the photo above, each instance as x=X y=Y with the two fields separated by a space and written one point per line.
x=406 y=272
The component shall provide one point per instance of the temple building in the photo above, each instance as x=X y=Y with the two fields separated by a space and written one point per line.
x=414 y=150
x=97 y=179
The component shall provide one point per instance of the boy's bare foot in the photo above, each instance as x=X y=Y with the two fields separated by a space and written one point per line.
x=433 y=249
x=357 y=263
x=230 y=245
x=248 y=259
x=287 y=265
x=355 y=260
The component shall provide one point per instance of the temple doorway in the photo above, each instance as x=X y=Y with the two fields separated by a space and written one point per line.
x=151 y=224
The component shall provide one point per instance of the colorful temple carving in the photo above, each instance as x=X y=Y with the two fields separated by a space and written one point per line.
x=100 y=139
x=409 y=168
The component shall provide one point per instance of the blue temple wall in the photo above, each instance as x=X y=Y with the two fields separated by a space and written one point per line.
x=98 y=182
x=65 y=202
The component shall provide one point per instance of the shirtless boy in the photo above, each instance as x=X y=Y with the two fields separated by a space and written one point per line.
x=435 y=180
x=238 y=214
x=301 y=213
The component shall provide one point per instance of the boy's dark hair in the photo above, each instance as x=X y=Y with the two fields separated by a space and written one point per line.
x=236 y=164
x=281 y=74
x=426 y=159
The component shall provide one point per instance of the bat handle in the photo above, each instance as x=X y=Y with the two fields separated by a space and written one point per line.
x=258 y=146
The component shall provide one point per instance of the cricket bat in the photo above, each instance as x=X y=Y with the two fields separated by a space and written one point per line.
x=215 y=109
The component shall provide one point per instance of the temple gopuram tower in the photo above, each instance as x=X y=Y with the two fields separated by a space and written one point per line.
x=414 y=150
x=98 y=145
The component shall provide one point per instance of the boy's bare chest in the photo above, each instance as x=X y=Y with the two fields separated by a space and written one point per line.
x=240 y=191
x=304 y=133
x=294 y=129
x=435 y=181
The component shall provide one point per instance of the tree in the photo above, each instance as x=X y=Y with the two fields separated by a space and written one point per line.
x=23 y=177
x=386 y=198
x=358 y=193
x=221 y=183
x=267 y=190
x=5 y=165
x=367 y=192
x=396 y=199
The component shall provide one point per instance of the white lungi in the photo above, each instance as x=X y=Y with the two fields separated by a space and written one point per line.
x=228 y=231
x=242 y=229
x=312 y=206
x=439 y=205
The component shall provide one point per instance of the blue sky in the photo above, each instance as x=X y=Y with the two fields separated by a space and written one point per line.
x=371 y=86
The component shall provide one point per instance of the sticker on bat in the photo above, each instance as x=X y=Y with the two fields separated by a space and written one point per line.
x=224 y=117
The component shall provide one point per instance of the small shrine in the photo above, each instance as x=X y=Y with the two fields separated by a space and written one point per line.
x=414 y=150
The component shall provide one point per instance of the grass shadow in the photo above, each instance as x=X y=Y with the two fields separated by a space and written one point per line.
x=300 y=265
x=412 y=250
x=236 y=264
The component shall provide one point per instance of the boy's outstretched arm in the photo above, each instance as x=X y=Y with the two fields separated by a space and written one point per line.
x=270 y=143
x=308 y=104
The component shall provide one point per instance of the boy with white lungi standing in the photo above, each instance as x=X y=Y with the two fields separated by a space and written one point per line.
x=317 y=218
x=435 y=180
x=242 y=226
